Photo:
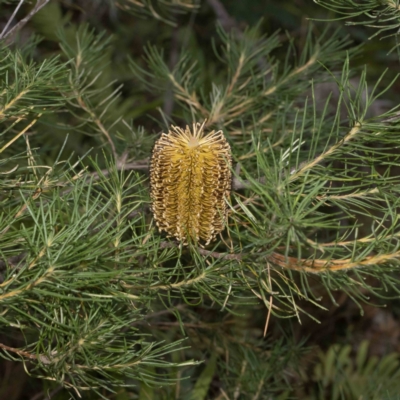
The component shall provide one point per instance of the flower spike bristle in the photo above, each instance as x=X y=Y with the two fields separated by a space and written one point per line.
x=190 y=178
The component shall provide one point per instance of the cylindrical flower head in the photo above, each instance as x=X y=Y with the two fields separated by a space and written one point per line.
x=190 y=180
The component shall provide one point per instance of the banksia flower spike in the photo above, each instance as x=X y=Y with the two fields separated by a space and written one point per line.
x=190 y=180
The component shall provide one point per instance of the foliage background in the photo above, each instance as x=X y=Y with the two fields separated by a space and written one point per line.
x=345 y=352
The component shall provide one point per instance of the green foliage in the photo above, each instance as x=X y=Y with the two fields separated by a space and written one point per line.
x=164 y=10
x=254 y=85
x=339 y=375
x=74 y=280
x=29 y=88
x=94 y=298
x=202 y=385
x=384 y=16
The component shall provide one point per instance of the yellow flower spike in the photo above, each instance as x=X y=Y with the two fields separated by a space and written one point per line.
x=190 y=180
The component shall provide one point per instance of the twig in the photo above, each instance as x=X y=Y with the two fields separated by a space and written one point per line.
x=223 y=394
x=43 y=396
x=309 y=165
x=19 y=134
x=260 y=386
x=201 y=325
x=295 y=72
x=236 y=393
x=270 y=301
x=18 y=351
x=11 y=18
x=173 y=59
x=143 y=165
x=221 y=256
x=185 y=95
x=239 y=184
x=315 y=266
x=318 y=266
x=226 y=21
x=11 y=33
x=140 y=165
x=204 y=252
x=96 y=120
x=25 y=354
x=163 y=312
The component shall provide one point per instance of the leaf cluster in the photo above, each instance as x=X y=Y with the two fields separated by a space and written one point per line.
x=164 y=10
x=94 y=298
x=384 y=16
x=338 y=374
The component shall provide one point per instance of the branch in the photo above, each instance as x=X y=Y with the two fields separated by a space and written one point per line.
x=11 y=33
x=140 y=165
x=321 y=265
x=356 y=128
x=25 y=354
x=19 y=134
x=97 y=122
x=292 y=74
x=204 y=252
x=143 y=165
x=229 y=24
x=10 y=20
x=186 y=96
x=239 y=184
x=226 y=21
